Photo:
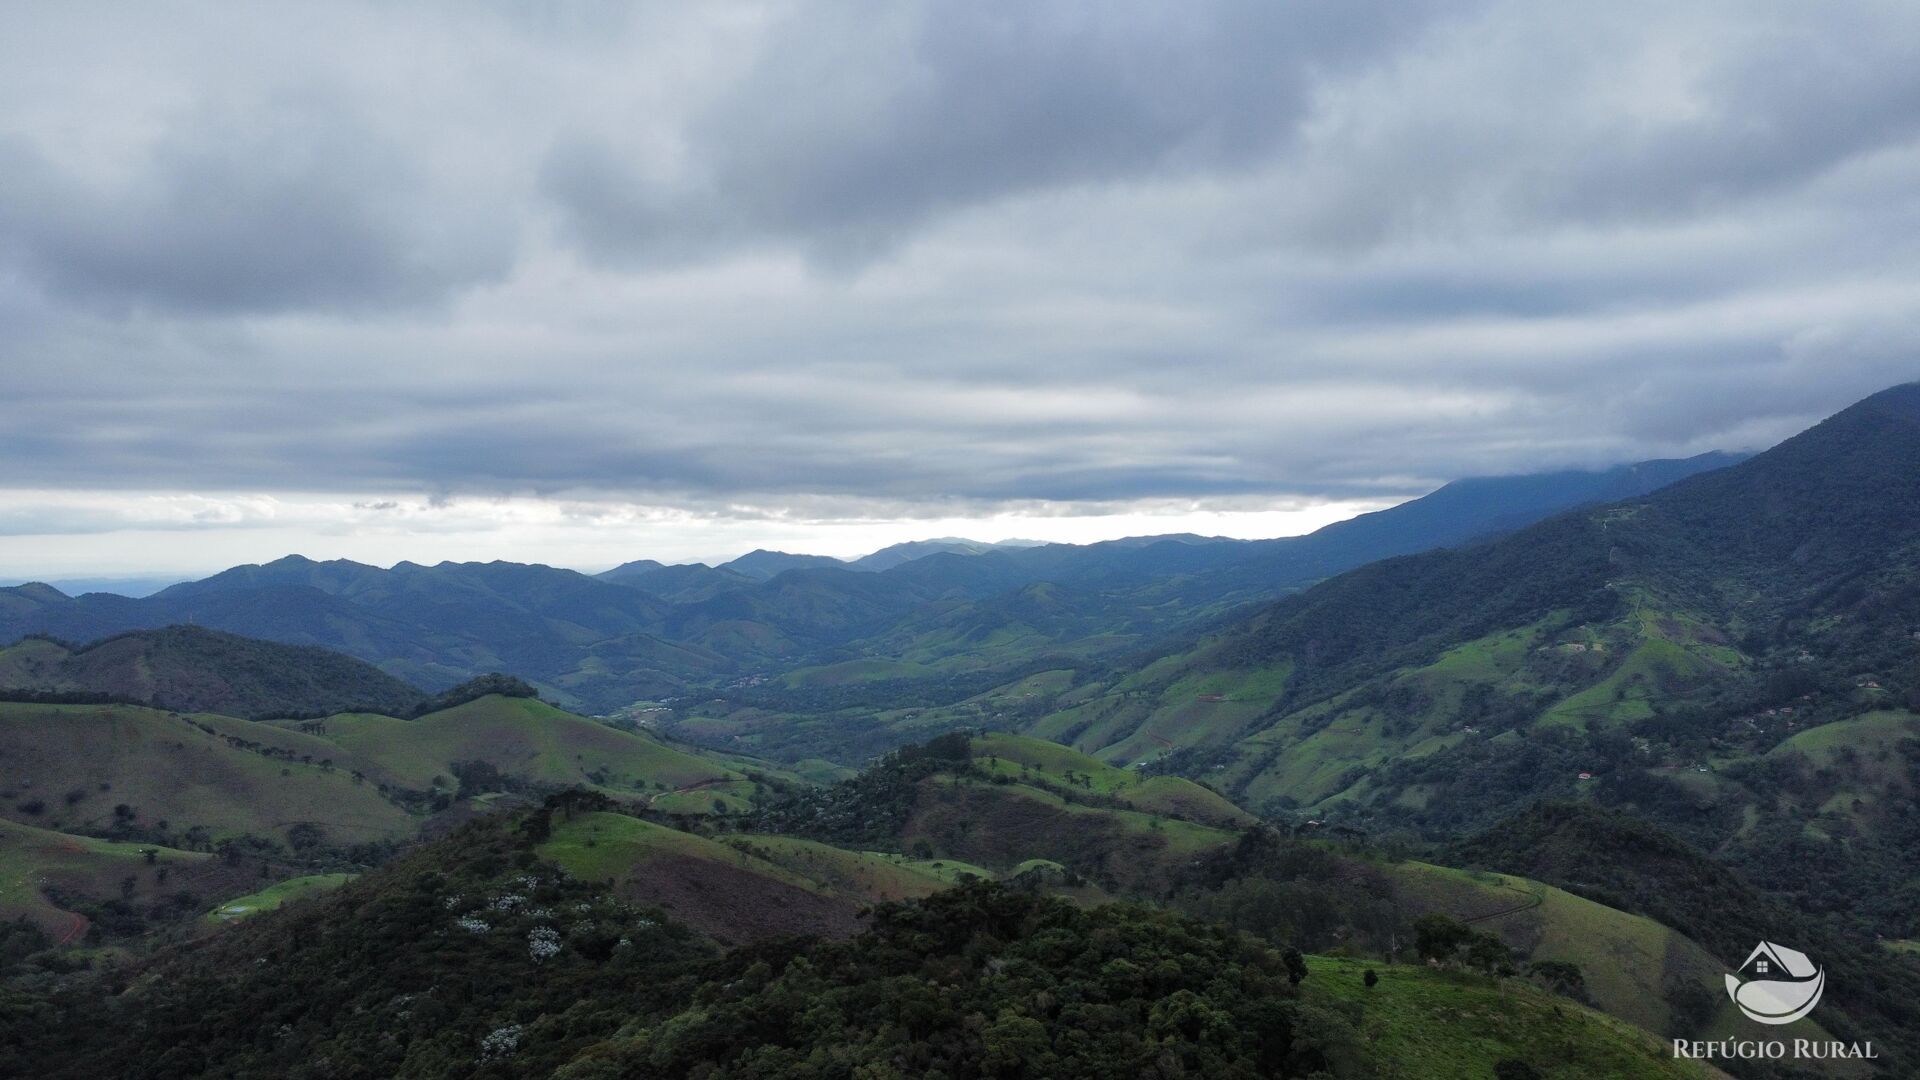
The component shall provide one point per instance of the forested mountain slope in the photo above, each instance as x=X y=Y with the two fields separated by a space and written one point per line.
x=1735 y=656
x=193 y=669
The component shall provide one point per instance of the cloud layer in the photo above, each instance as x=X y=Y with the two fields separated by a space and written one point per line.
x=923 y=255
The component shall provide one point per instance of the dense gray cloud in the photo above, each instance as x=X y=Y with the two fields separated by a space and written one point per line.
x=293 y=206
x=920 y=256
x=856 y=123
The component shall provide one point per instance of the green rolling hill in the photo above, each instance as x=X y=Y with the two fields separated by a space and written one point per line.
x=182 y=778
x=99 y=783
x=726 y=892
x=355 y=777
x=532 y=744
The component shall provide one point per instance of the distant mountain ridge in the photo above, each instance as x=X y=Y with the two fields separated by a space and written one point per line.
x=888 y=557
x=649 y=630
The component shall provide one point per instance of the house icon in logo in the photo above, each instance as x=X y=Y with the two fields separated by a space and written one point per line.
x=1777 y=985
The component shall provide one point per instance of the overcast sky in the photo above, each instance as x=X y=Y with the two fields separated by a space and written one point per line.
x=584 y=283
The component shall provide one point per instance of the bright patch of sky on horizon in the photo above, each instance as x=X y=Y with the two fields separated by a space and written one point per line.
x=609 y=281
x=126 y=530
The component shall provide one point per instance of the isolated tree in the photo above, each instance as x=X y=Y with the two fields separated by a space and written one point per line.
x=1563 y=976
x=1296 y=964
x=1439 y=937
x=1489 y=954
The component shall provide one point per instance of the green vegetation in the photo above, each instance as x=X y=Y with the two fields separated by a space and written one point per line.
x=276 y=894
x=957 y=812
x=730 y=891
x=853 y=671
x=1509 y=758
x=605 y=846
x=474 y=956
x=1632 y=867
x=1319 y=896
x=67 y=886
x=1421 y=1023
x=135 y=773
x=303 y=800
x=1056 y=990
x=1732 y=659
x=1000 y=801
x=1002 y=825
x=529 y=741
x=462 y=939
x=194 y=669
x=1037 y=763
x=492 y=683
x=874 y=876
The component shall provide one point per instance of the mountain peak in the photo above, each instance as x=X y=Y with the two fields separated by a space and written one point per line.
x=764 y=564
x=40 y=591
x=637 y=566
x=290 y=560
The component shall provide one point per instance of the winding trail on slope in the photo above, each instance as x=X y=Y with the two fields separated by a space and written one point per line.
x=74 y=929
x=702 y=785
x=1534 y=900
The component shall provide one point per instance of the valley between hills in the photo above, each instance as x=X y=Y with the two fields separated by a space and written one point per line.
x=1506 y=778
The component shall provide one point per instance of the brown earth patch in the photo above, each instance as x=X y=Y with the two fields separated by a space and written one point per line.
x=734 y=905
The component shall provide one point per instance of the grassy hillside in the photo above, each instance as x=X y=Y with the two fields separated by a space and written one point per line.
x=274 y=895
x=1012 y=802
x=343 y=788
x=1630 y=865
x=535 y=744
x=1635 y=968
x=725 y=891
x=138 y=771
x=740 y=886
x=1038 y=763
x=79 y=890
x=325 y=795
x=870 y=875
x=1000 y=802
x=1001 y=825
x=1425 y=1024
